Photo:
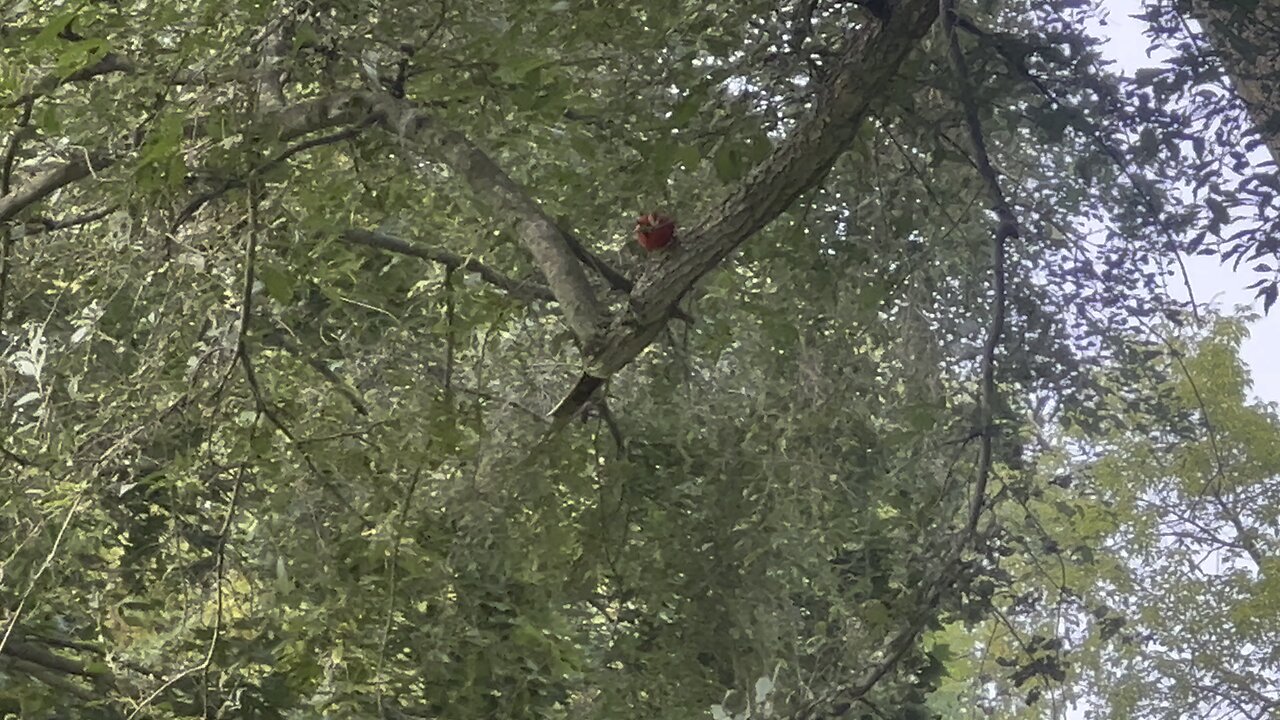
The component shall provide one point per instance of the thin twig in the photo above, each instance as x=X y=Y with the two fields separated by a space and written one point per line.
x=42 y=224
x=393 y=561
x=450 y=336
x=108 y=63
x=44 y=566
x=223 y=534
x=1095 y=134
x=193 y=206
x=283 y=340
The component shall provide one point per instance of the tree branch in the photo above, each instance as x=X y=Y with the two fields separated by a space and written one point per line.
x=50 y=181
x=109 y=63
x=44 y=658
x=38 y=225
x=23 y=132
x=1006 y=229
x=51 y=679
x=521 y=289
x=873 y=55
x=193 y=205
x=288 y=124
x=616 y=280
x=901 y=642
x=539 y=234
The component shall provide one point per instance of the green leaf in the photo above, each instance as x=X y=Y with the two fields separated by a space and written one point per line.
x=78 y=55
x=686 y=109
x=728 y=163
x=48 y=35
x=688 y=157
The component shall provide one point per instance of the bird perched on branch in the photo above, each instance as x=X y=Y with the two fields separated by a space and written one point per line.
x=655 y=231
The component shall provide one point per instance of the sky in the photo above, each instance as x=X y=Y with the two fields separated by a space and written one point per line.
x=1210 y=280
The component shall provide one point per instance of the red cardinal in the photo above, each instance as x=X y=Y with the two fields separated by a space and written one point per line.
x=655 y=231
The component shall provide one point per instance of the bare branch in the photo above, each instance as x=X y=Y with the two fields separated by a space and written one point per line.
x=43 y=224
x=521 y=289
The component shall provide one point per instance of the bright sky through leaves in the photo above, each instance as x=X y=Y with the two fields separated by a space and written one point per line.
x=1211 y=280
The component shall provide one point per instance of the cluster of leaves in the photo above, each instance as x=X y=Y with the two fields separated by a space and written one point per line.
x=267 y=362
x=1146 y=573
x=1211 y=109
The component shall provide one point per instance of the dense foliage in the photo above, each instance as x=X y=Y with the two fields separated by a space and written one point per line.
x=289 y=292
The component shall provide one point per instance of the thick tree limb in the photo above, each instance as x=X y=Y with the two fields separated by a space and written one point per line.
x=616 y=280
x=872 y=57
x=866 y=69
x=519 y=289
x=545 y=241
